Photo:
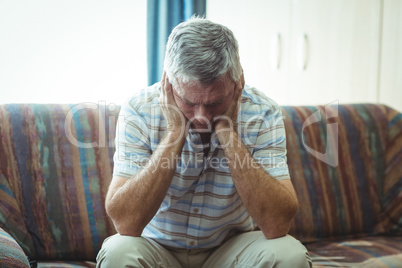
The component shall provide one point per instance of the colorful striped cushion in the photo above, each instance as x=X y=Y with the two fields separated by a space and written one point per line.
x=66 y=264
x=53 y=191
x=366 y=252
x=53 y=183
x=392 y=183
x=359 y=195
x=11 y=254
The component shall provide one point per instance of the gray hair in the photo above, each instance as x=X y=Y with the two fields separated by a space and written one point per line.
x=199 y=50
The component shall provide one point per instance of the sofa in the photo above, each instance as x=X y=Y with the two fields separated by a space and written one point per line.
x=56 y=163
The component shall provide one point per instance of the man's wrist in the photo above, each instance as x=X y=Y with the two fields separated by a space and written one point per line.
x=174 y=137
x=225 y=124
x=228 y=137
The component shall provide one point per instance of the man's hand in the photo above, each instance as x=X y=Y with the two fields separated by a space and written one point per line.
x=229 y=119
x=272 y=212
x=132 y=202
x=175 y=120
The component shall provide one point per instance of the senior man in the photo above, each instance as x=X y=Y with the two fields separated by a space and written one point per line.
x=200 y=176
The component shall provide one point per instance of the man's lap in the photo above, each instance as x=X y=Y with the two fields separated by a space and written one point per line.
x=250 y=249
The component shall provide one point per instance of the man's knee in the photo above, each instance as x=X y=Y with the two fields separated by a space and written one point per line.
x=280 y=252
x=287 y=252
x=128 y=251
x=117 y=250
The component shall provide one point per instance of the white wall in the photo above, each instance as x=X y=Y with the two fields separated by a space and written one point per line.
x=71 y=51
x=349 y=58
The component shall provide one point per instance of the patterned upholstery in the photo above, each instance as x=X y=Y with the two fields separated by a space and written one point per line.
x=365 y=252
x=54 y=177
x=361 y=194
x=53 y=191
x=11 y=254
x=344 y=206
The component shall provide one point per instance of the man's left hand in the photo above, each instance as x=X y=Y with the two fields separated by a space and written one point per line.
x=229 y=119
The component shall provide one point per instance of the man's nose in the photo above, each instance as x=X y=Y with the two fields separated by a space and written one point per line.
x=203 y=115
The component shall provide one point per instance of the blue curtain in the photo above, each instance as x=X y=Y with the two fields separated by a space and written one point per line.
x=162 y=17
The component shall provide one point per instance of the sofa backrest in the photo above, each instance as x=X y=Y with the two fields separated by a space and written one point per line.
x=345 y=163
x=54 y=175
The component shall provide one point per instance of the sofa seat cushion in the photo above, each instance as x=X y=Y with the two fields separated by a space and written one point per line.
x=65 y=264
x=11 y=254
x=376 y=251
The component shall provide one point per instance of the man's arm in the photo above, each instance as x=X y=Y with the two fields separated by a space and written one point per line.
x=271 y=203
x=132 y=203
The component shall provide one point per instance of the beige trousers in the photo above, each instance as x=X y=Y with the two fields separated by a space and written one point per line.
x=250 y=249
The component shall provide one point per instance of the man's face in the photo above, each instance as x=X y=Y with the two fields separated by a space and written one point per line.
x=201 y=104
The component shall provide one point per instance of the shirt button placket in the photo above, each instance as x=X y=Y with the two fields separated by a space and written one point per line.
x=193 y=231
x=195 y=219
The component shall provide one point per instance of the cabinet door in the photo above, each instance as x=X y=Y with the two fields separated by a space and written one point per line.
x=334 y=51
x=262 y=29
x=390 y=90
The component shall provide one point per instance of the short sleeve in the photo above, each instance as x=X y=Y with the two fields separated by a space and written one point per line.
x=132 y=142
x=270 y=145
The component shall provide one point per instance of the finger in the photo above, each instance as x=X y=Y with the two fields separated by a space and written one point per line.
x=167 y=83
x=166 y=78
x=240 y=86
x=242 y=80
x=163 y=76
x=169 y=93
x=238 y=91
x=162 y=97
x=240 y=83
x=235 y=101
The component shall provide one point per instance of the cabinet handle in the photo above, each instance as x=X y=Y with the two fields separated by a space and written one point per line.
x=276 y=51
x=303 y=53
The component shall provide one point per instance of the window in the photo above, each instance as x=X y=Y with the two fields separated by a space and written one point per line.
x=72 y=51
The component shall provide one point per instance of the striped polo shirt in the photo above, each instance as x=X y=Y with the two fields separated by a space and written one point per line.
x=201 y=207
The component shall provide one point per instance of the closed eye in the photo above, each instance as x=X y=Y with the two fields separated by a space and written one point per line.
x=189 y=104
x=214 y=104
x=218 y=102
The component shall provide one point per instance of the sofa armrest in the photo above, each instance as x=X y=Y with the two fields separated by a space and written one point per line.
x=11 y=254
x=392 y=195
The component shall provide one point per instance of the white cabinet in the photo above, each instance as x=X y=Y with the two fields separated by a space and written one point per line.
x=327 y=51
x=391 y=55
x=342 y=44
x=262 y=30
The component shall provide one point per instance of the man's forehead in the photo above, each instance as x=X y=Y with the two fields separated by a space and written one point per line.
x=195 y=92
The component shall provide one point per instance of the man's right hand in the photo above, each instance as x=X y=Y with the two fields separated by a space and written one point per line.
x=132 y=202
x=176 y=122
